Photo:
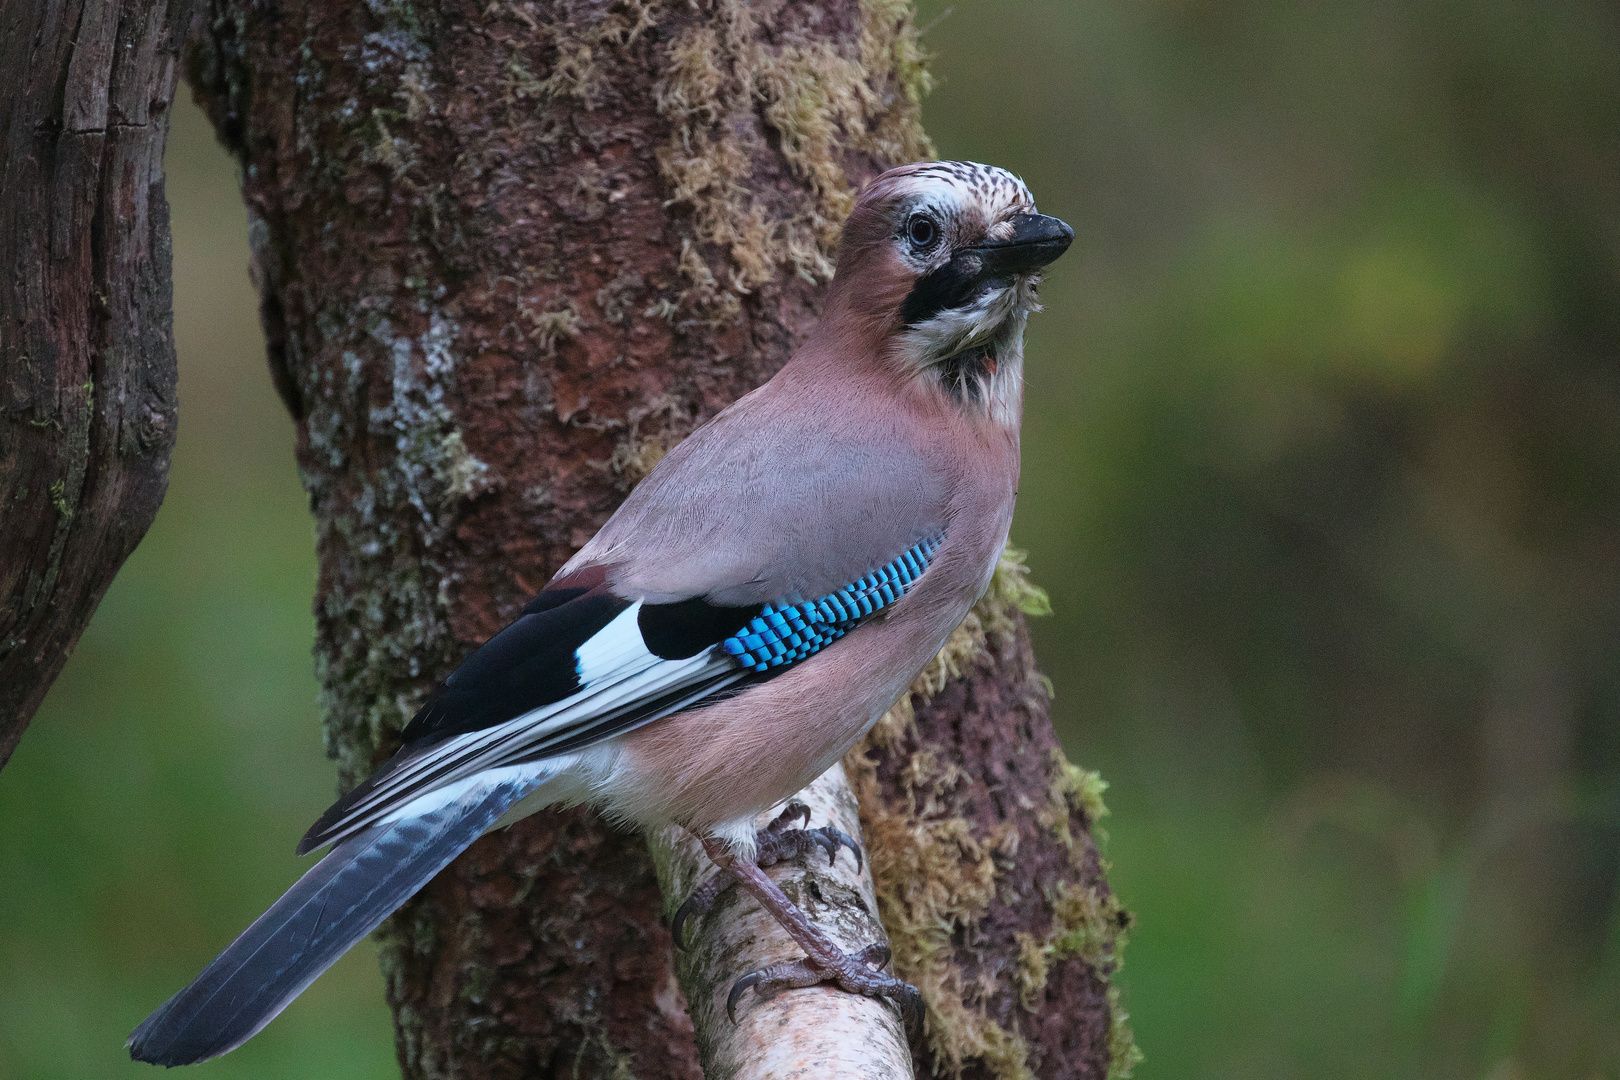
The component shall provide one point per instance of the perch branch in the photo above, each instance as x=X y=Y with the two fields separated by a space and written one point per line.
x=820 y=1032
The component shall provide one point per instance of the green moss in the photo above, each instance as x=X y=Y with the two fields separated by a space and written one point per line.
x=575 y=52
x=1078 y=790
x=821 y=101
x=549 y=327
x=935 y=878
x=1086 y=923
x=476 y=982
x=1123 y=1053
x=1010 y=590
x=634 y=458
x=1090 y=924
x=461 y=474
x=383 y=147
x=596 y=1044
x=1032 y=970
x=1011 y=587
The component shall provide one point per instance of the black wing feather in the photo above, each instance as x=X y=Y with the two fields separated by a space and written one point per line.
x=687 y=627
x=529 y=664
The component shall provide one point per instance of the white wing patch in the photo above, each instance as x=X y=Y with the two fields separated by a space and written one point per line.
x=615 y=650
x=623 y=685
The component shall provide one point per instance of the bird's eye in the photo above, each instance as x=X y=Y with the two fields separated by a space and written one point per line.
x=922 y=232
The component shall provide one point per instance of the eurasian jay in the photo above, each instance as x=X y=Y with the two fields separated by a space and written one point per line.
x=757 y=603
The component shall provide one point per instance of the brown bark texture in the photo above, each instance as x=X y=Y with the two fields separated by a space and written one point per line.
x=989 y=883
x=508 y=253
x=87 y=367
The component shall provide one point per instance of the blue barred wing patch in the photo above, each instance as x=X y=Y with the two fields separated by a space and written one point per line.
x=784 y=633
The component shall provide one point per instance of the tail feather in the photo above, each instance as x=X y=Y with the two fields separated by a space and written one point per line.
x=339 y=901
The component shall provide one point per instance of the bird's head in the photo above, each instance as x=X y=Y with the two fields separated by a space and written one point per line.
x=938 y=265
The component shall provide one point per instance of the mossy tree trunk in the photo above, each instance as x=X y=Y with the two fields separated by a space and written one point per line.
x=87 y=367
x=508 y=253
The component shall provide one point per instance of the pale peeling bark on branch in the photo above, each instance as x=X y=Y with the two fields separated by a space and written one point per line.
x=818 y=1033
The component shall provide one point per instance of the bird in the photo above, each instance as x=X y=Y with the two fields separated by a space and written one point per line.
x=753 y=607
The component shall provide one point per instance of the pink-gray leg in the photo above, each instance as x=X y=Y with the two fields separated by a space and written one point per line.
x=777 y=842
x=824 y=961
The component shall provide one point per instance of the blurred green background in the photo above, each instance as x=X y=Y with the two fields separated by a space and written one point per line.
x=1323 y=474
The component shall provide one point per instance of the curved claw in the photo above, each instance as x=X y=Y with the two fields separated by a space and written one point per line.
x=793 y=810
x=698 y=903
x=875 y=956
x=739 y=988
x=826 y=843
x=831 y=839
x=905 y=996
x=865 y=977
x=682 y=913
x=911 y=1009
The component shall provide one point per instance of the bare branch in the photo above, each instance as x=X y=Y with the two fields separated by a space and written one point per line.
x=816 y=1032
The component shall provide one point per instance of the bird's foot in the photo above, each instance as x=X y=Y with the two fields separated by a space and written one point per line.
x=778 y=842
x=824 y=960
x=859 y=973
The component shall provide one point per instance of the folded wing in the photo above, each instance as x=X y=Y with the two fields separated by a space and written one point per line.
x=581 y=665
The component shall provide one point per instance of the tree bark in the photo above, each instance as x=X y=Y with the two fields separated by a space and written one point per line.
x=87 y=367
x=507 y=255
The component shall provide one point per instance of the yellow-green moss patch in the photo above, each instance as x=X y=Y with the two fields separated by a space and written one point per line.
x=822 y=101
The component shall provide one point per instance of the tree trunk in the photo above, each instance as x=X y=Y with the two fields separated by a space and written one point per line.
x=87 y=368
x=508 y=253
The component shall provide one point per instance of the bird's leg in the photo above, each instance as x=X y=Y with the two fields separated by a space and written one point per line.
x=824 y=961
x=778 y=842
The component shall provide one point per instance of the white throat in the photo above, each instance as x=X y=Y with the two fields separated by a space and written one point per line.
x=976 y=351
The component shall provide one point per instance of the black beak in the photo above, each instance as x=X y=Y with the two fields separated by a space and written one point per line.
x=1037 y=240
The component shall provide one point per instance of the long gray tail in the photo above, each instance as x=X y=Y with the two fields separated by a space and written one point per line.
x=339 y=901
